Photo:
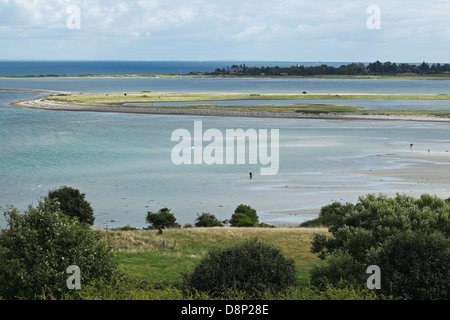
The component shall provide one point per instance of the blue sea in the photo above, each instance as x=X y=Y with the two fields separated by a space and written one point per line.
x=122 y=162
x=75 y=68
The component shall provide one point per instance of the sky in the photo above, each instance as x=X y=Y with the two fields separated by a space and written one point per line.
x=243 y=30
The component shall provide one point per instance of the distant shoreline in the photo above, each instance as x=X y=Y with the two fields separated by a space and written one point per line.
x=40 y=91
x=174 y=75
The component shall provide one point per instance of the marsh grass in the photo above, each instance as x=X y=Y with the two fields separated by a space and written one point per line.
x=149 y=97
x=146 y=99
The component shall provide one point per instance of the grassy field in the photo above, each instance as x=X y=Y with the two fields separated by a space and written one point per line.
x=140 y=252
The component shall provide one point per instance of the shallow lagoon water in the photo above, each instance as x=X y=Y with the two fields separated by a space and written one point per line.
x=241 y=85
x=367 y=104
x=123 y=161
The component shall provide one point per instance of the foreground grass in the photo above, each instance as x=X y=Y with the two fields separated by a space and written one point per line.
x=154 y=272
x=140 y=252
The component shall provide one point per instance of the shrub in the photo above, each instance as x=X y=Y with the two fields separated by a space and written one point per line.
x=339 y=269
x=72 y=203
x=373 y=220
x=207 y=220
x=39 y=246
x=161 y=220
x=244 y=216
x=415 y=266
x=362 y=228
x=251 y=267
x=329 y=215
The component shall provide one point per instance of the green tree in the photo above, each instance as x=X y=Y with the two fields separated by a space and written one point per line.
x=415 y=266
x=244 y=216
x=39 y=245
x=72 y=203
x=374 y=220
x=251 y=267
x=161 y=220
x=207 y=220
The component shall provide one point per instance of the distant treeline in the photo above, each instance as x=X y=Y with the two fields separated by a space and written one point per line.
x=375 y=68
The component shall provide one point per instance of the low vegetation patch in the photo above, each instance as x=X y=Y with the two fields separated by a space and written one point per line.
x=404 y=237
x=146 y=99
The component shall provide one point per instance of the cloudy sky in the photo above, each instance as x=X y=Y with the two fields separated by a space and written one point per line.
x=269 y=30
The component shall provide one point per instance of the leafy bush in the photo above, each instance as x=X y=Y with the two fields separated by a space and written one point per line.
x=339 y=269
x=38 y=247
x=244 y=216
x=251 y=267
x=415 y=266
x=161 y=220
x=362 y=228
x=207 y=220
x=373 y=220
x=329 y=215
x=73 y=203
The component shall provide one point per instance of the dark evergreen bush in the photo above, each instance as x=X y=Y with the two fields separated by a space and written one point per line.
x=415 y=266
x=207 y=220
x=251 y=267
x=73 y=203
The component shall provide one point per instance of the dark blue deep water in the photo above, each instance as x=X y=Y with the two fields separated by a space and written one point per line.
x=75 y=68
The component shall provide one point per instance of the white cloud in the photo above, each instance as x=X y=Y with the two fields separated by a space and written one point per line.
x=232 y=23
x=250 y=32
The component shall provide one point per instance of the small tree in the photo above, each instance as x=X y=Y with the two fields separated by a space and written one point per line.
x=244 y=216
x=161 y=220
x=39 y=246
x=207 y=220
x=72 y=203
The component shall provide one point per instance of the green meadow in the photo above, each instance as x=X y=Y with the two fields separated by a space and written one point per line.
x=164 y=258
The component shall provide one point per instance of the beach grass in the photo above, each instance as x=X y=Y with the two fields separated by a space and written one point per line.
x=140 y=252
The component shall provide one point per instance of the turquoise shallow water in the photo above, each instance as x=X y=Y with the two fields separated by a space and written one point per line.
x=123 y=161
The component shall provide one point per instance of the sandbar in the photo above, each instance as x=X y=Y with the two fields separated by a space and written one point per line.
x=50 y=105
